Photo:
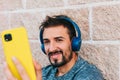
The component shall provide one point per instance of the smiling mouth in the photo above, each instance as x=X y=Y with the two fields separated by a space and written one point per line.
x=55 y=54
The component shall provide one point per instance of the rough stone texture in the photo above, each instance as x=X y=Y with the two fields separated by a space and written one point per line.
x=44 y=3
x=4 y=22
x=30 y=20
x=106 y=23
x=10 y=5
x=80 y=17
x=74 y=2
x=2 y=59
x=105 y=57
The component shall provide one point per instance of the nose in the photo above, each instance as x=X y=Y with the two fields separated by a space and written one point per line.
x=52 y=47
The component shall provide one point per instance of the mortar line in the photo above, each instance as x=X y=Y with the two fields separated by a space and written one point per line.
x=24 y=4
x=9 y=20
x=90 y=24
x=103 y=42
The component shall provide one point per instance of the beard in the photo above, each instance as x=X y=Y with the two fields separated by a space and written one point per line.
x=65 y=59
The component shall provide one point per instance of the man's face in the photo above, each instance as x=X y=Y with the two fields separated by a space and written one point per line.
x=57 y=45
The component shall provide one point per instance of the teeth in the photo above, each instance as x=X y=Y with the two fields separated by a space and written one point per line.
x=57 y=53
x=54 y=53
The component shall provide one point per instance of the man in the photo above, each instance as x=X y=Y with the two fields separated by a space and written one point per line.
x=60 y=40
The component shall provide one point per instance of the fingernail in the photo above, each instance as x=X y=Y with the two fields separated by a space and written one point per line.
x=14 y=58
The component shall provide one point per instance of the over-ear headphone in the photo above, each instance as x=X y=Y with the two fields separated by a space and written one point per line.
x=76 y=41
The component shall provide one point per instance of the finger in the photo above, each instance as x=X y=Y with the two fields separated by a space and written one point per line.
x=20 y=69
x=8 y=72
x=36 y=65
x=38 y=70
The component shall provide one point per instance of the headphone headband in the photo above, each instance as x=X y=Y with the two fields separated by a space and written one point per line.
x=74 y=25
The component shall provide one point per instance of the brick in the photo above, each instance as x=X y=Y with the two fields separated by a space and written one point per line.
x=76 y=2
x=105 y=57
x=2 y=60
x=10 y=5
x=30 y=20
x=44 y=3
x=1 y=52
x=4 y=22
x=80 y=16
x=106 y=23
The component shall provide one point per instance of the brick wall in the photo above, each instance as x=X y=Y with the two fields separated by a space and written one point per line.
x=99 y=21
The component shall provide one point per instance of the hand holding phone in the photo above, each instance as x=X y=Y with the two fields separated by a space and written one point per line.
x=22 y=71
x=16 y=44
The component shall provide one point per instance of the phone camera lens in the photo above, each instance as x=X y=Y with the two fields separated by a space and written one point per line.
x=8 y=37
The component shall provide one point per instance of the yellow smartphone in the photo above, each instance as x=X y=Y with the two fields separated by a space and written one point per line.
x=16 y=44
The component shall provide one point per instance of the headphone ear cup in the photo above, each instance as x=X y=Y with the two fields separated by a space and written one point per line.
x=76 y=44
x=42 y=48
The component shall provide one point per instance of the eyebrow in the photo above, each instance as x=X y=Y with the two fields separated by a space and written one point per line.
x=60 y=37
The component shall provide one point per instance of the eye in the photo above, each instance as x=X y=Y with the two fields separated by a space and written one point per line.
x=59 y=40
x=46 y=42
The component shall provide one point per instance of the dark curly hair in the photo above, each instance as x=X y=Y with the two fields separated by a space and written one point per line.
x=55 y=21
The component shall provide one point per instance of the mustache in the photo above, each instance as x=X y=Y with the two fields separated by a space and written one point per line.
x=55 y=52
